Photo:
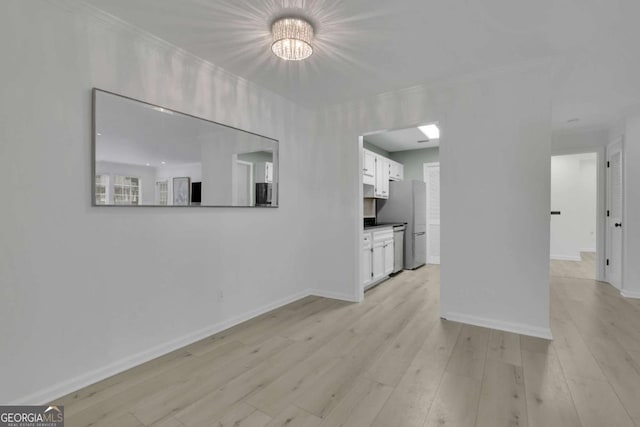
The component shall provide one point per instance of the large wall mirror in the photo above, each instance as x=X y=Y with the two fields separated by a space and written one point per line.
x=146 y=155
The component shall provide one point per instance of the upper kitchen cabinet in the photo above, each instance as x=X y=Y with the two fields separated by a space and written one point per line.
x=381 y=188
x=264 y=172
x=377 y=170
x=368 y=167
x=396 y=171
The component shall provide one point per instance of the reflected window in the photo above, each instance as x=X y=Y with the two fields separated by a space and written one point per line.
x=102 y=189
x=126 y=190
x=162 y=190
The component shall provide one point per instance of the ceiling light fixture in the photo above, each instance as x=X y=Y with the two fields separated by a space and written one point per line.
x=431 y=131
x=292 y=39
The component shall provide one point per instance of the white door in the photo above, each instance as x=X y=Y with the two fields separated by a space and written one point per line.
x=389 y=257
x=378 y=260
x=243 y=184
x=368 y=167
x=366 y=259
x=382 y=178
x=615 y=184
x=432 y=178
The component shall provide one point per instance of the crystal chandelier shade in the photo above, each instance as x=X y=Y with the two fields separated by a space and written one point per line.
x=292 y=39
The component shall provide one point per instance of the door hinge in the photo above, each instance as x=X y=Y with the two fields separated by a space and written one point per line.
x=607 y=261
x=372 y=274
x=608 y=164
x=608 y=212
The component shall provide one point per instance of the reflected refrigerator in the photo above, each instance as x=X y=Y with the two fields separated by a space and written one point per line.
x=407 y=203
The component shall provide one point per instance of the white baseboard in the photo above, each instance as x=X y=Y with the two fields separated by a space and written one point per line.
x=588 y=250
x=61 y=389
x=517 y=328
x=630 y=294
x=333 y=295
x=567 y=257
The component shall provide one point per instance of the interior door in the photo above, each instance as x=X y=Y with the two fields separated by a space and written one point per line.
x=432 y=178
x=615 y=193
x=243 y=192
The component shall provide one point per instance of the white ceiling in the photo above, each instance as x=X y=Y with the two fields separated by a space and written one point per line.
x=135 y=133
x=365 y=47
x=401 y=140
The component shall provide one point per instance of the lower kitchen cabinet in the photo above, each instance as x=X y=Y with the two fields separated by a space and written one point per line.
x=377 y=255
x=365 y=259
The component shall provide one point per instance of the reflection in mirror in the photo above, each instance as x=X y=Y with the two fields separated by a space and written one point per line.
x=146 y=155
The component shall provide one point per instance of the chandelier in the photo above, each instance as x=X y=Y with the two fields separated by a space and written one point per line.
x=292 y=39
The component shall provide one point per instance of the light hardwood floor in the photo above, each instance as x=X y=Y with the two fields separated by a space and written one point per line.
x=584 y=269
x=389 y=361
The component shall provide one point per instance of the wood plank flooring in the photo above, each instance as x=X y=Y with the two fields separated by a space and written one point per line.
x=389 y=361
x=585 y=269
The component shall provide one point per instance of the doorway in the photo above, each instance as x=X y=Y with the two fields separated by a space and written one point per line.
x=393 y=193
x=574 y=215
x=242 y=192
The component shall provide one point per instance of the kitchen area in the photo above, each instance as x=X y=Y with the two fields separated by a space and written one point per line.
x=394 y=217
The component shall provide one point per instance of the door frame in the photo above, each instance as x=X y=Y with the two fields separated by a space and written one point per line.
x=234 y=181
x=358 y=288
x=425 y=175
x=615 y=142
x=601 y=202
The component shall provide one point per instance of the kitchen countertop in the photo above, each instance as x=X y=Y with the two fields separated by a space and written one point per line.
x=385 y=225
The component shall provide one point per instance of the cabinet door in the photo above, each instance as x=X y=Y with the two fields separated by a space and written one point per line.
x=389 y=257
x=385 y=178
x=378 y=260
x=366 y=259
x=366 y=266
x=368 y=167
x=400 y=174
x=394 y=170
x=268 y=172
x=382 y=178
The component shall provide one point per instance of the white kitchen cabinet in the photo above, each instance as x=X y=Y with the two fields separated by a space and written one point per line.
x=366 y=260
x=396 y=171
x=378 y=262
x=368 y=167
x=381 y=189
x=264 y=172
x=389 y=256
x=377 y=170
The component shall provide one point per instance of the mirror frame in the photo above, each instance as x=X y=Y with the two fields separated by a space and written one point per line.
x=94 y=93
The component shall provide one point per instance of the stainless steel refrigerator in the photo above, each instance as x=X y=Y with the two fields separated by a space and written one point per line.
x=408 y=203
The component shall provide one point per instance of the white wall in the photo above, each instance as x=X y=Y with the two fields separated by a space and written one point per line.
x=631 y=219
x=494 y=154
x=87 y=291
x=573 y=193
x=588 y=189
x=579 y=141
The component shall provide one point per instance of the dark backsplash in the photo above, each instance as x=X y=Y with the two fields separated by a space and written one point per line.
x=369 y=221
